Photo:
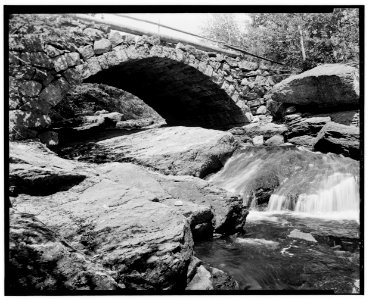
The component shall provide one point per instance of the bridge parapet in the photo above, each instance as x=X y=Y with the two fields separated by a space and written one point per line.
x=51 y=53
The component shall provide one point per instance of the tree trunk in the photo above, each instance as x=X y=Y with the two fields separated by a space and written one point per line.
x=302 y=44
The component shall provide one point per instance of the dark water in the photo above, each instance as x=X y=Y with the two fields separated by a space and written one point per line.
x=307 y=236
x=267 y=258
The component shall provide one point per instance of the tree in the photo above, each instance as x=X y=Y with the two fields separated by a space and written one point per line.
x=224 y=28
x=324 y=38
x=299 y=40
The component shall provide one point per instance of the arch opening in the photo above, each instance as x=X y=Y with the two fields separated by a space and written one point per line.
x=181 y=94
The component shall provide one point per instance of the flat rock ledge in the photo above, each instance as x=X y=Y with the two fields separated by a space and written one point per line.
x=176 y=150
x=127 y=227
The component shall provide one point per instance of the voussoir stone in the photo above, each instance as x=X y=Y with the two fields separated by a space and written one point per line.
x=174 y=150
x=115 y=38
x=102 y=46
x=325 y=86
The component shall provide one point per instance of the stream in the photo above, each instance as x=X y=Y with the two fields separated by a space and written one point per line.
x=306 y=237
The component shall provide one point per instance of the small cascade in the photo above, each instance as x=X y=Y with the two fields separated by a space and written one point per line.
x=336 y=196
x=299 y=181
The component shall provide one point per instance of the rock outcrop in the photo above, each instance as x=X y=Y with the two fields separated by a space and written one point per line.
x=298 y=126
x=340 y=139
x=136 y=224
x=40 y=260
x=325 y=86
x=171 y=150
x=205 y=277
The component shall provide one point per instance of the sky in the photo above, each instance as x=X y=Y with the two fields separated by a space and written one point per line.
x=190 y=22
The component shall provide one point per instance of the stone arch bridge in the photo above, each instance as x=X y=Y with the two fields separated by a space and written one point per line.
x=49 y=54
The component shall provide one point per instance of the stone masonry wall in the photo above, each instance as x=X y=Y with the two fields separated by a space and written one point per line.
x=48 y=54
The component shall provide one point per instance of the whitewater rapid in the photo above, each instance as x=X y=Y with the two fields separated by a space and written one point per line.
x=310 y=184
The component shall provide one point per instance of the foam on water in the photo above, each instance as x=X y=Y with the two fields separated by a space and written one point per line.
x=336 y=197
x=257 y=242
x=310 y=184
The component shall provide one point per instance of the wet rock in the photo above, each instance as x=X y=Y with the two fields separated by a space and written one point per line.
x=297 y=234
x=40 y=260
x=213 y=209
x=325 y=86
x=203 y=277
x=340 y=139
x=275 y=140
x=201 y=280
x=174 y=150
x=221 y=280
x=261 y=186
x=192 y=268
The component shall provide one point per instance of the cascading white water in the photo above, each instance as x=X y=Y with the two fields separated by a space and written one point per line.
x=312 y=184
x=336 y=197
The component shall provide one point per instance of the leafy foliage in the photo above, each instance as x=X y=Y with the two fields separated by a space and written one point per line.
x=327 y=37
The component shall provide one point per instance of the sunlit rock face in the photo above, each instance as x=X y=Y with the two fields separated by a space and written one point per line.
x=325 y=86
x=126 y=226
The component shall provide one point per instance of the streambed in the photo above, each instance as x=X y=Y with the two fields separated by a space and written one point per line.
x=303 y=229
x=288 y=252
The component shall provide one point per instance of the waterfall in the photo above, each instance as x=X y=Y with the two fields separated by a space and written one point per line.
x=309 y=183
x=336 y=196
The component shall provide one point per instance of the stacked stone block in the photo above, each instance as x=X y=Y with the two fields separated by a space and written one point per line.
x=51 y=53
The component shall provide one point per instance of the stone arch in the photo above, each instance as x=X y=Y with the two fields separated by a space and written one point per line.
x=181 y=94
x=201 y=88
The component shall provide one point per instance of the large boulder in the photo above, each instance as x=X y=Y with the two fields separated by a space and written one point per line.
x=172 y=150
x=39 y=259
x=137 y=224
x=144 y=244
x=340 y=139
x=325 y=86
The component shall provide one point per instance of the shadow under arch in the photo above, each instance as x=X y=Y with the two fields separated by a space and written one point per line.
x=181 y=94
